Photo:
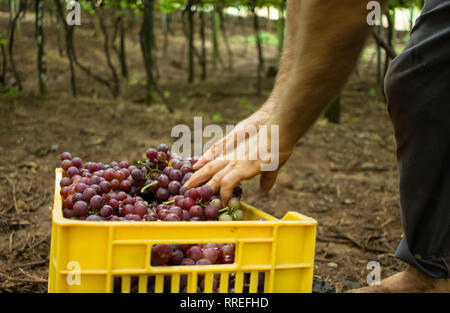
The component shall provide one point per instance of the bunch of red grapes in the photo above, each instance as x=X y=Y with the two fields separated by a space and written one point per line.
x=205 y=254
x=148 y=191
x=185 y=254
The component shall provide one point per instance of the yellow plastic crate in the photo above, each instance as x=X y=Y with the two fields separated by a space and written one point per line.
x=98 y=252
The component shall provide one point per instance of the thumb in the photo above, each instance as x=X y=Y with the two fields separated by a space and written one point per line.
x=268 y=179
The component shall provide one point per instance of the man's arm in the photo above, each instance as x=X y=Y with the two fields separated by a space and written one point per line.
x=263 y=114
x=328 y=40
x=330 y=37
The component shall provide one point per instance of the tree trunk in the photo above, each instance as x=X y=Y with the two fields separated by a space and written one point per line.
x=190 y=42
x=165 y=31
x=333 y=112
x=39 y=36
x=215 y=41
x=146 y=39
x=4 y=64
x=123 y=51
x=69 y=45
x=259 y=49
x=225 y=39
x=106 y=47
x=22 y=9
x=244 y=33
x=202 y=36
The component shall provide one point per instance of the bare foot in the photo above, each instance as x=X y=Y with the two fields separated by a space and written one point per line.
x=411 y=280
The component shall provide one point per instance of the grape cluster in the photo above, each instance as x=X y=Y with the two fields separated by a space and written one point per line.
x=148 y=191
x=189 y=254
x=185 y=254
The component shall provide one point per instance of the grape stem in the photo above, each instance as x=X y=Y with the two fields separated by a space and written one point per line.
x=169 y=202
x=224 y=209
x=149 y=185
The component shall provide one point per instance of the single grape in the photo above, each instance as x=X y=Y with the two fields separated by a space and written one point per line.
x=177 y=210
x=66 y=156
x=66 y=164
x=96 y=202
x=161 y=254
x=228 y=249
x=151 y=216
x=162 y=194
x=97 y=189
x=77 y=162
x=105 y=186
x=172 y=217
x=195 y=253
x=211 y=254
x=238 y=214
x=151 y=154
x=234 y=203
x=128 y=209
x=163 y=147
x=211 y=212
x=124 y=164
x=174 y=187
x=188 y=203
x=106 y=211
x=129 y=200
x=196 y=210
x=194 y=193
x=95 y=180
x=68 y=202
x=225 y=217
x=188 y=261
x=121 y=196
x=66 y=181
x=161 y=157
x=140 y=208
x=175 y=175
x=203 y=262
x=163 y=180
x=77 y=197
x=125 y=185
x=195 y=219
x=137 y=175
x=217 y=203
x=80 y=208
x=88 y=193
x=206 y=191
x=68 y=213
x=133 y=217
x=186 y=215
x=162 y=214
x=72 y=171
x=167 y=170
x=94 y=217
x=115 y=184
x=80 y=187
x=177 y=257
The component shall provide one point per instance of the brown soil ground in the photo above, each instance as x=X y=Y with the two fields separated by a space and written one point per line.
x=344 y=175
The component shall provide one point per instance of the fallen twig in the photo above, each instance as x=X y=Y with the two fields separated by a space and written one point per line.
x=34 y=280
x=14 y=194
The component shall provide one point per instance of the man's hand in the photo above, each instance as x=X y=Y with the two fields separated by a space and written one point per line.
x=230 y=141
x=226 y=171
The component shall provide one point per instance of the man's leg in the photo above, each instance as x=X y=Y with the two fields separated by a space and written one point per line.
x=418 y=97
